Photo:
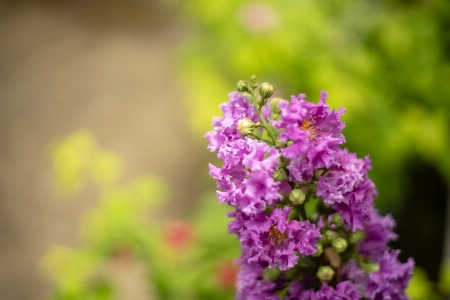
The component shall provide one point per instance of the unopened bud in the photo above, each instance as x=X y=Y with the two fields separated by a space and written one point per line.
x=339 y=244
x=279 y=174
x=242 y=86
x=325 y=273
x=356 y=236
x=266 y=91
x=297 y=196
x=319 y=250
x=336 y=219
x=246 y=126
x=330 y=235
x=280 y=144
x=274 y=105
x=253 y=82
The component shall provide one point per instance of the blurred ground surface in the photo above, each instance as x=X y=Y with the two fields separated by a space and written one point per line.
x=101 y=65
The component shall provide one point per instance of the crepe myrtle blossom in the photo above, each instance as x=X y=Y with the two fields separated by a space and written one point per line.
x=245 y=179
x=344 y=290
x=273 y=239
x=282 y=159
x=347 y=188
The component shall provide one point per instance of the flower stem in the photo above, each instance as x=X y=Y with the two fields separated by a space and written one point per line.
x=263 y=120
x=301 y=209
x=260 y=139
x=266 y=126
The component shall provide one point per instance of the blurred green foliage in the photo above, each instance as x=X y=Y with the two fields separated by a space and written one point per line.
x=78 y=158
x=387 y=62
x=191 y=259
x=420 y=288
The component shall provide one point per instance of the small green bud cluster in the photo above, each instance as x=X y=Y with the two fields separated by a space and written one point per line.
x=259 y=95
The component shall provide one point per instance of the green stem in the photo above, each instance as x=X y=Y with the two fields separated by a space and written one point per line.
x=263 y=121
x=260 y=138
x=302 y=211
x=293 y=215
x=266 y=126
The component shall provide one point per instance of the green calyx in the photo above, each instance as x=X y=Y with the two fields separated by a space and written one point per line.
x=297 y=196
x=339 y=244
x=246 y=126
x=325 y=273
x=243 y=87
x=279 y=174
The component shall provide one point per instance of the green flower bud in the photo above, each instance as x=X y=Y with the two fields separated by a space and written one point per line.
x=260 y=101
x=246 y=126
x=279 y=174
x=253 y=82
x=339 y=244
x=266 y=91
x=356 y=236
x=336 y=219
x=274 y=105
x=242 y=86
x=319 y=250
x=325 y=273
x=297 y=196
x=271 y=274
x=330 y=235
x=280 y=144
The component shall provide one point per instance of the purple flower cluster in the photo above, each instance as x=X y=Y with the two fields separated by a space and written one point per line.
x=277 y=164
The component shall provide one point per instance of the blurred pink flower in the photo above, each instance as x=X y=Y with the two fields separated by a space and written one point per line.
x=226 y=274
x=257 y=17
x=179 y=234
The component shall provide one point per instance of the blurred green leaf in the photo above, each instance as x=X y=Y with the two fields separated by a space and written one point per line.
x=420 y=288
x=444 y=278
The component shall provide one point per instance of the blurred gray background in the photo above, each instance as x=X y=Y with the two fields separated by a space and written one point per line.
x=64 y=65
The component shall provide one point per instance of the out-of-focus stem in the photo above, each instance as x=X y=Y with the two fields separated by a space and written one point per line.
x=301 y=210
x=265 y=124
